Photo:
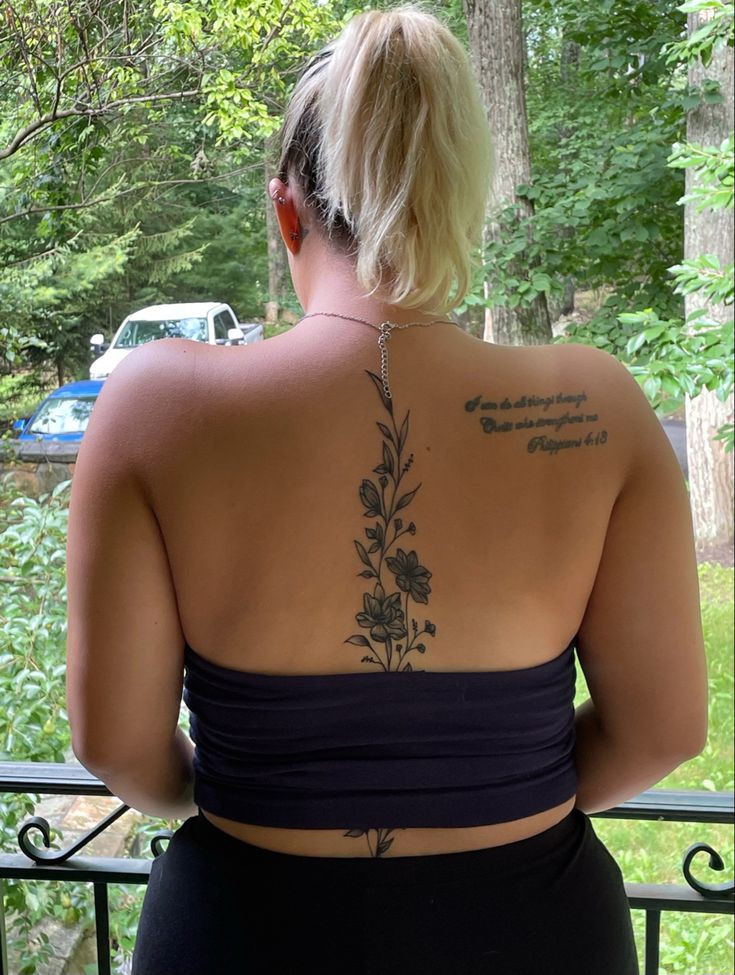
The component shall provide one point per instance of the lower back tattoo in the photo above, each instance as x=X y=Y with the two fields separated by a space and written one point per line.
x=379 y=841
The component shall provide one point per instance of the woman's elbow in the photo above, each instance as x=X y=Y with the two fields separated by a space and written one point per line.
x=86 y=756
x=687 y=739
x=697 y=744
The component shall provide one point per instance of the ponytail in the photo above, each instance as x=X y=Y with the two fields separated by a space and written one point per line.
x=387 y=137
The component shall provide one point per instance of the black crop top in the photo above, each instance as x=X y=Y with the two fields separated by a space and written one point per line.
x=416 y=749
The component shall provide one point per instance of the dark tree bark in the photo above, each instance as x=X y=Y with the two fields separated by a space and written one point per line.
x=497 y=49
x=709 y=232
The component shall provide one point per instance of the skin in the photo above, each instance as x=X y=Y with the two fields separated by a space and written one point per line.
x=194 y=454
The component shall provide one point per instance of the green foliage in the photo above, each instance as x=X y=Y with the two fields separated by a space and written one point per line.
x=604 y=108
x=20 y=394
x=672 y=361
x=704 y=275
x=713 y=33
x=42 y=300
x=72 y=69
x=259 y=46
x=131 y=146
x=33 y=719
x=608 y=99
x=715 y=169
x=32 y=636
x=235 y=266
x=685 y=357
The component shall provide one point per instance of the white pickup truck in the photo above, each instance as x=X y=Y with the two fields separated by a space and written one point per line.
x=203 y=321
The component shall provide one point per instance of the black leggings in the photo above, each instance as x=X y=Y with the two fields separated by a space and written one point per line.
x=553 y=904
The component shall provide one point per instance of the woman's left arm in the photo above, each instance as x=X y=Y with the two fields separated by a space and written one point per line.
x=125 y=645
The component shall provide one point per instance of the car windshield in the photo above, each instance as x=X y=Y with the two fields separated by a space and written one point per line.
x=139 y=331
x=63 y=414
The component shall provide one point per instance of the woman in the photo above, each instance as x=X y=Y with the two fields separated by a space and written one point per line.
x=374 y=544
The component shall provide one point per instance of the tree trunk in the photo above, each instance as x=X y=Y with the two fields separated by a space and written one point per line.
x=709 y=232
x=497 y=48
x=276 y=256
x=568 y=74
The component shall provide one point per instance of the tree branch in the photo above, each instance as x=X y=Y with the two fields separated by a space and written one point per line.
x=39 y=257
x=33 y=128
x=152 y=184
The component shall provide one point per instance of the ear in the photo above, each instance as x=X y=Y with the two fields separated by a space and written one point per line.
x=286 y=214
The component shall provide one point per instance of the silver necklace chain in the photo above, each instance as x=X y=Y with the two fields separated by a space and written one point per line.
x=385 y=329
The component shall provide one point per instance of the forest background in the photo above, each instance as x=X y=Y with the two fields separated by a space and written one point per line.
x=136 y=141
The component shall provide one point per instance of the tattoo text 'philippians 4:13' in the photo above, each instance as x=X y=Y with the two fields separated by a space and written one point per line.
x=503 y=417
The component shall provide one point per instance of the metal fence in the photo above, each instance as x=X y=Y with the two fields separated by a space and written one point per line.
x=35 y=862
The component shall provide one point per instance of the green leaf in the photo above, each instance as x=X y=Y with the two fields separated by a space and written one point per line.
x=540 y=281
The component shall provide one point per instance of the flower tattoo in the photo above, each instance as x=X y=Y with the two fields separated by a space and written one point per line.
x=383 y=616
x=398 y=577
x=410 y=576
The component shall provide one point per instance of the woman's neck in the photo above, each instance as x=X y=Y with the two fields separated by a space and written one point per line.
x=330 y=285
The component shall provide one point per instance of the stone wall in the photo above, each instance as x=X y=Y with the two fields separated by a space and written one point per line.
x=34 y=478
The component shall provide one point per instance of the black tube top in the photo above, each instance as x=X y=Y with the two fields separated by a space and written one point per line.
x=416 y=749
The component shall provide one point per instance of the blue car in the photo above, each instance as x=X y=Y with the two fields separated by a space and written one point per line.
x=55 y=429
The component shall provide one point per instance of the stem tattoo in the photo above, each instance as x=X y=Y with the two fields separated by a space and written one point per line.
x=397 y=579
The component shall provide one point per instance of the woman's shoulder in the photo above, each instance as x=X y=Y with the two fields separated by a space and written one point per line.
x=623 y=405
x=173 y=393
x=147 y=386
x=591 y=395
x=568 y=363
x=160 y=378
x=611 y=376
x=605 y=375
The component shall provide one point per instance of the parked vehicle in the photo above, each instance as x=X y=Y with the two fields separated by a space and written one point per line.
x=56 y=427
x=202 y=321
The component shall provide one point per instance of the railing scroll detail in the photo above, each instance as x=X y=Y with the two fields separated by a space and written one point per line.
x=39 y=855
x=709 y=890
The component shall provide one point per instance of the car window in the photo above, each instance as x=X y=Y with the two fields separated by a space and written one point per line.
x=138 y=332
x=67 y=414
x=229 y=319
x=221 y=324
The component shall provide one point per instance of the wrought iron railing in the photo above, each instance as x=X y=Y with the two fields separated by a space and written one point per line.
x=35 y=862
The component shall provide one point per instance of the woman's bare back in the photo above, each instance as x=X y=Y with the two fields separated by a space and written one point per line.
x=268 y=476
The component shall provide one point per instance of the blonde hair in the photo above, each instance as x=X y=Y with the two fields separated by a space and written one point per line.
x=387 y=138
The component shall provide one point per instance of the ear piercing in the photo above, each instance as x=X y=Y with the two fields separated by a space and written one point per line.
x=293 y=234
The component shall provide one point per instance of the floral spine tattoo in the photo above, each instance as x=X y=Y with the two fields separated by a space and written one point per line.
x=379 y=841
x=398 y=576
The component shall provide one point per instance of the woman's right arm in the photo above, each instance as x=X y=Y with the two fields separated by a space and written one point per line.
x=640 y=642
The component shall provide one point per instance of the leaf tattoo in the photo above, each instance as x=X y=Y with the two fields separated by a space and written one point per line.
x=379 y=841
x=389 y=632
x=397 y=576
